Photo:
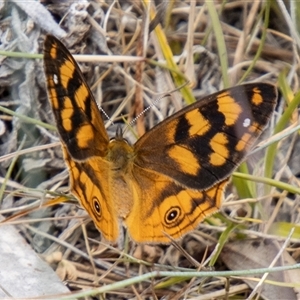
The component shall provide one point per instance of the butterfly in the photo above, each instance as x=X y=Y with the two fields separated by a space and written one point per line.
x=174 y=176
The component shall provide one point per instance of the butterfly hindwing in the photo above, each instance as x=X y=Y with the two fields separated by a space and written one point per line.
x=163 y=208
x=90 y=185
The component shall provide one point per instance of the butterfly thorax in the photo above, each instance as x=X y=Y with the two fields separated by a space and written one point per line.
x=119 y=154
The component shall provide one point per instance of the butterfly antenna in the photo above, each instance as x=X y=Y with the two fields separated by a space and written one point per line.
x=105 y=114
x=154 y=103
x=147 y=108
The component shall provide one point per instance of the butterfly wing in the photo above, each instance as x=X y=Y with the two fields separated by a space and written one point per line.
x=162 y=206
x=182 y=165
x=203 y=143
x=78 y=119
x=83 y=135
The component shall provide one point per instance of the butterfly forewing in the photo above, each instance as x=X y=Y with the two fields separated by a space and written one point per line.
x=203 y=143
x=78 y=119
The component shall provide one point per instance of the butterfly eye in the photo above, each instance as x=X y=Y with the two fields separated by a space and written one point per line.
x=172 y=215
x=97 y=206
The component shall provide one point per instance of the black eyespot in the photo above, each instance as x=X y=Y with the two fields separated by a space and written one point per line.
x=97 y=206
x=172 y=215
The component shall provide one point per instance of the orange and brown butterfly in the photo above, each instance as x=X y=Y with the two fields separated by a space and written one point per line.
x=174 y=175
